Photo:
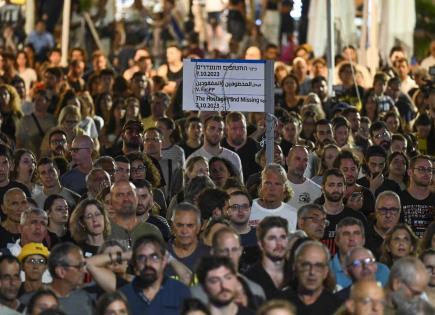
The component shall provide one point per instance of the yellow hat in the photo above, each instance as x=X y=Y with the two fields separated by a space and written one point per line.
x=33 y=249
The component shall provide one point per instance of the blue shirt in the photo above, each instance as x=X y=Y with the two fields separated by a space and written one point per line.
x=167 y=301
x=343 y=280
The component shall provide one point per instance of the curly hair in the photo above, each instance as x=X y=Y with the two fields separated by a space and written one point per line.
x=15 y=101
x=76 y=225
x=386 y=255
x=152 y=174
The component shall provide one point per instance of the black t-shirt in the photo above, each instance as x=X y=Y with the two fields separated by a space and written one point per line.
x=247 y=155
x=257 y=274
x=388 y=184
x=7 y=237
x=327 y=303
x=374 y=241
x=249 y=239
x=244 y=311
x=418 y=214
x=162 y=225
x=329 y=236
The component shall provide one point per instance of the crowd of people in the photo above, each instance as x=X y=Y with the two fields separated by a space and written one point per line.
x=116 y=201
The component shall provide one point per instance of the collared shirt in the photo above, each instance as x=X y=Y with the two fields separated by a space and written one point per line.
x=343 y=280
x=167 y=301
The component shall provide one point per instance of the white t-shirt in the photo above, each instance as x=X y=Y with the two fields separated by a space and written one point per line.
x=285 y=211
x=304 y=193
x=231 y=156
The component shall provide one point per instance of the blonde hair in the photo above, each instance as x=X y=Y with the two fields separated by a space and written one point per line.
x=15 y=101
x=69 y=110
x=280 y=171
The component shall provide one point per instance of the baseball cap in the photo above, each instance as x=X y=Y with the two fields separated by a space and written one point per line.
x=33 y=249
x=136 y=124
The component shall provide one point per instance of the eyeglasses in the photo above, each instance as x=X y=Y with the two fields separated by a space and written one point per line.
x=317 y=220
x=242 y=207
x=61 y=141
x=423 y=170
x=36 y=261
x=362 y=262
x=385 y=211
x=75 y=150
x=78 y=267
x=383 y=134
x=308 y=267
x=91 y=216
x=154 y=258
x=228 y=251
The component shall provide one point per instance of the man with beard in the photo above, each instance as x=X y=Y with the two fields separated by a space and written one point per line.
x=333 y=187
x=213 y=135
x=49 y=177
x=226 y=243
x=10 y=283
x=356 y=197
x=5 y=167
x=304 y=189
x=146 y=208
x=237 y=140
x=314 y=293
x=122 y=169
x=58 y=145
x=67 y=267
x=387 y=215
x=406 y=285
x=375 y=164
x=323 y=136
x=238 y=213
x=428 y=259
x=132 y=139
x=81 y=153
x=218 y=278
x=151 y=292
x=126 y=226
x=271 y=272
x=418 y=202
x=349 y=235
x=312 y=220
x=380 y=135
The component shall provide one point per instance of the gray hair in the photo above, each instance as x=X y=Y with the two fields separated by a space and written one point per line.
x=186 y=207
x=36 y=211
x=303 y=247
x=388 y=193
x=302 y=211
x=405 y=270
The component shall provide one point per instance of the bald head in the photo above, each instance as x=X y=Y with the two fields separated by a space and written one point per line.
x=123 y=198
x=253 y=53
x=83 y=141
x=297 y=162
x=366 y=298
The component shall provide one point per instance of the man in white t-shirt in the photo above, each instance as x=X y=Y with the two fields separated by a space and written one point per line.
x=213 y=135
x=304 y=189
x=273 y=191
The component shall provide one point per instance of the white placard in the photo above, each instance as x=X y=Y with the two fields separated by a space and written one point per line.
x=224 y=85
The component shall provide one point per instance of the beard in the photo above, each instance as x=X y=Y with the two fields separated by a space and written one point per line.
x=273 y=257
x=238 y=141
x=221 y=303
x=386 y=145
x=147 y=277
x=334 y=197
